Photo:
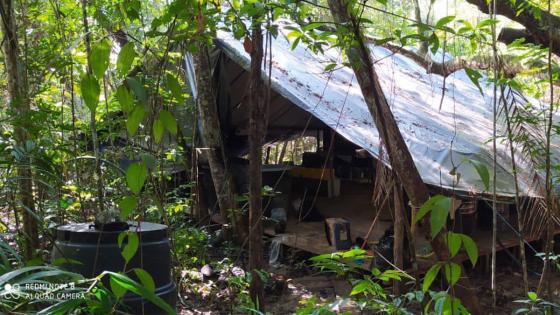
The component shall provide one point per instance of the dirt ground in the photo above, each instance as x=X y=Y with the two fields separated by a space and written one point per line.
x=298 y=282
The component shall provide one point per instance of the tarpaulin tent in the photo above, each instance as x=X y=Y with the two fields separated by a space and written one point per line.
x=443 y=141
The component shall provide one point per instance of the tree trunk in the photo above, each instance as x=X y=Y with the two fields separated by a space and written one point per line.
x=20 y=106
x=536 y=29
x=212 y=138
x=399 y=223
x=256 y=137
x=423 y=50
x=280 y=160
x=401 y=161
x=93 y=121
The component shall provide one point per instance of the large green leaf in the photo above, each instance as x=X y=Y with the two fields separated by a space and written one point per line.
x=474 y=76
x=444 y=21
x=138 y=89
x=140 y=290
x=146 y=279
x=131 y=246
x=483 y=173
x=453 y=243
x=158 y=129
x=116 y=288
x=470 y=248
x=126 y=58
x=127 y=205
x=136 y=175
x=168 y=121
x=89 y=86
x=7 y=277
x=99 y=59
x=360 y=287
x=135 y=119
x=62 y=307
x=175 y=87
x=125 y=98
x=430 y=277
x=452 y=273
x=438 y=216
x=427 y=207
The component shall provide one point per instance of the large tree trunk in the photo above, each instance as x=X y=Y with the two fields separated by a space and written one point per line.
x=544 y=30
x=401 y=161
x=212 y=138
x=20 y=105
x=256 y=137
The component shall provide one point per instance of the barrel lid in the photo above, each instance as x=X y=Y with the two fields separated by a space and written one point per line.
x=86 y=233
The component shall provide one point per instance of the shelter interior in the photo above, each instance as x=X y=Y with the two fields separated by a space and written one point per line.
x=317 y=174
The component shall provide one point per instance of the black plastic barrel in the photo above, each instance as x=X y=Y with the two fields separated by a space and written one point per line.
x=82 y=242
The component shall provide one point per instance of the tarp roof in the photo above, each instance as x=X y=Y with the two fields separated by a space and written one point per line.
x=439 y=140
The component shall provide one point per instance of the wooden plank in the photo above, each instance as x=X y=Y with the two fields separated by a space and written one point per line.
x=310 y=237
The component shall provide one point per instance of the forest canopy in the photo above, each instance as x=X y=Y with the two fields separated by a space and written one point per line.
x=116 y=123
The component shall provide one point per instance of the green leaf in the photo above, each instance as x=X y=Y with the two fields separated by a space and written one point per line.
x=136 y=175
x=474 y=76
x=470 y=248
x=430 y=277
x=392 y=274
x=168 y=121
x=486 y=23
x=138 y=89
x=453 y=243
x=330 y=67
x=453 y=306
x=438 y=217
x=452 y=273
x=175 y=87
x=360 y=287
x=444 y=21
x=483 y=172
x=7 y=277
x=434 y=43
x=532 y=295
x=65 y=261
x=427 y=207
x=158 y=129
x=125 y=98
x=117 y=289
x=145 y=279
x=131 y=246
x=62 y=307
x=100 y=58
x=138 y=289
x=126 y=58
x=149 y=160
x=90 y=89
x=127 y=205
x=134 y=119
